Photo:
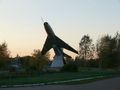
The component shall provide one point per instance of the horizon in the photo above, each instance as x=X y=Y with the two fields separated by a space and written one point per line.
x=22 y=28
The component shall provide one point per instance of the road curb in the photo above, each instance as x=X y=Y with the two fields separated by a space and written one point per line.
x=72 y=80
x=24 y=85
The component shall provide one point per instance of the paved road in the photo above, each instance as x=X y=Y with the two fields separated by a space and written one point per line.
x=108 y=84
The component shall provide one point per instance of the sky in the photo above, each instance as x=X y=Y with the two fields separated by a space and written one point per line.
x=22 y=28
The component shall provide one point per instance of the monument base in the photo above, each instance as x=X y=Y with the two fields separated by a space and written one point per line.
x=57 y=62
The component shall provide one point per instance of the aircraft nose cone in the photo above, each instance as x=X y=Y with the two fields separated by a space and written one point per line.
x=45 y=23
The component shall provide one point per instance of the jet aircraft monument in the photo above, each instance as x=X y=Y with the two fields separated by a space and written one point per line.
x=58 y=45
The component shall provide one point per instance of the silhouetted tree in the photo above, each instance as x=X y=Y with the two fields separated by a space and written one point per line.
x=108 y=51
x=87 y=49
x=4 y=55
x=116 y=50
x=40 y=61
x=103 y=49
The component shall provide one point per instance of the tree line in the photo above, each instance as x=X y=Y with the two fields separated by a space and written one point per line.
x=104 y=54
x=35 y=62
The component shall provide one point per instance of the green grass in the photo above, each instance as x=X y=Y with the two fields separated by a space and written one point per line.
x=52 y=77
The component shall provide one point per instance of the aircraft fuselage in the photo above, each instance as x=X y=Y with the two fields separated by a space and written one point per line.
x=49 y=29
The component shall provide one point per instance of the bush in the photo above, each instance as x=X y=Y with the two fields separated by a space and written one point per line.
x=69 y=68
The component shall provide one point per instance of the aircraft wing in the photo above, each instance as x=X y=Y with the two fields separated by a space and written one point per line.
x=62 y=44
x=47 y=46
x=67 y=55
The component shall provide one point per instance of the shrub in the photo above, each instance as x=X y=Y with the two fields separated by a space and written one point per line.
x=69 y=68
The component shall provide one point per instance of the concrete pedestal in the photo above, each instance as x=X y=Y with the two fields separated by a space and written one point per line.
x=57 y=62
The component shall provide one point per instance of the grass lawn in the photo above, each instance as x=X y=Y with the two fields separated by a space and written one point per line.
x=57 y=76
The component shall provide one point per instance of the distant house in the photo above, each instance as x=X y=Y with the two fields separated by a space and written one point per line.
x=15 y=64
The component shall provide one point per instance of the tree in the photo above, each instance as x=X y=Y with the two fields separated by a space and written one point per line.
x=40 y=61
x=103 y=49
x=4 y=55
x=108 y=51
x=116 y=50
x=86 y=51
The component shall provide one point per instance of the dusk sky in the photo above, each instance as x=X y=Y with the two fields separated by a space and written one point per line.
x=22 y=28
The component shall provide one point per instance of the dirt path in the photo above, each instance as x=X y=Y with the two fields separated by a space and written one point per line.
x=108 y=84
